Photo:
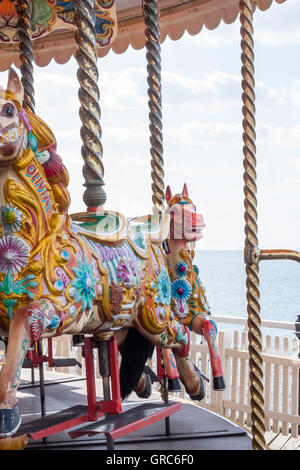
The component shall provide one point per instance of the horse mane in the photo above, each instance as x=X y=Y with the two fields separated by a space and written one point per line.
x=55 y=171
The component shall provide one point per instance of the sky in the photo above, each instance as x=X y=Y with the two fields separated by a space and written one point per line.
x=202 y=127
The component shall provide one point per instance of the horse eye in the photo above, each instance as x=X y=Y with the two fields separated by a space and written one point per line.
x=9 y=110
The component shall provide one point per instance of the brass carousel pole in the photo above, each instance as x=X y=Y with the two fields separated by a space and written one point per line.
x=152 y=32
x=24 y=9
x=92 y=152
x=153 y=55
x=251 y=240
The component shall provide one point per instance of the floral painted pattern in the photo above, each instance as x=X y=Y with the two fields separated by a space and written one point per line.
x=163 y=284
x=41 y=317
x=84 y=283
x=13 y=289
x=11 y=218
x=181 y=269
x=14 y=254
x=126 y=272
x=181 y=290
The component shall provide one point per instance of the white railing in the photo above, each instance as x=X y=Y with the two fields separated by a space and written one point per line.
x=281 y=367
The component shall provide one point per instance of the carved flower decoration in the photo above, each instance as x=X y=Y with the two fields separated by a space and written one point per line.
x=181 y=269
x=84 y=283
x=181 y=290
x=11 y=218
x=126 y=272
x=163 y=284
x=14 y=254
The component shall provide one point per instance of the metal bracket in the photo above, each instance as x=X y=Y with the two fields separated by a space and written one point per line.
x=252 y=255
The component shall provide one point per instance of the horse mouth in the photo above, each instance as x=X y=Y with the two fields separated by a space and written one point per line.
x=11 y=136
x=9 y=143
x=195 y=229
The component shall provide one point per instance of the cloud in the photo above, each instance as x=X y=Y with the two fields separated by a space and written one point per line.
x=137 y=134
x=273 y=38
x=214 y=38
x=118 y=91
x=294 y=92
x=279 y=136
x=201 y=134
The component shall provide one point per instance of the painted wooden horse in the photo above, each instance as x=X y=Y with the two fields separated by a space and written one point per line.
x=188 y=299
x=85 y=274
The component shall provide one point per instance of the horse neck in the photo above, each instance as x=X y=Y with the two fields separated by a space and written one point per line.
x=176 y=251
x=26 y=186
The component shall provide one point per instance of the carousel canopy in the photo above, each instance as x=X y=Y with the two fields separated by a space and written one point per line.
x=119 y=23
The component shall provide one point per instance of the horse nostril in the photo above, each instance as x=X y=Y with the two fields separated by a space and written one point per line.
x=8 y=151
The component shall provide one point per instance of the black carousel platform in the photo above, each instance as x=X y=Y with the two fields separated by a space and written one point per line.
x=191 y=428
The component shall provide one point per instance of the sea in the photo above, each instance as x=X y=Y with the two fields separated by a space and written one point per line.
x=223 y=275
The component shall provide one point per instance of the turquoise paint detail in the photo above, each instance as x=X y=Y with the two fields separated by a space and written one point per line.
x=163 y=284
x=10 y=287
x=84 y=283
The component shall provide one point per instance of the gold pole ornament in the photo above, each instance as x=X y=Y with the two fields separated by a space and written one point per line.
x=91 y=132
x=152 y=32
x=24 y=9
x=251 y=240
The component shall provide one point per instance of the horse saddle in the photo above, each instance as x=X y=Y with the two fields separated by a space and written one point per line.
x=110 y=227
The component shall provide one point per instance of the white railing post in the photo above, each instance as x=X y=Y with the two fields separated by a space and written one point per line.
x=224 y=343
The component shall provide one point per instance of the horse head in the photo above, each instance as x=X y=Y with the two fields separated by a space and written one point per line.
x=186 y=224
x=12 y=129
x=33 y=198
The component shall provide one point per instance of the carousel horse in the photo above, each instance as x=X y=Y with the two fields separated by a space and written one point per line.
x=80 y=274
x=188 y=300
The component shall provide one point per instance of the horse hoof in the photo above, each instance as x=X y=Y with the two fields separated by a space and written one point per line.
x=174 y=385
x=10 y=421
x=146 y=393
x=201 y=393
x=219 y=383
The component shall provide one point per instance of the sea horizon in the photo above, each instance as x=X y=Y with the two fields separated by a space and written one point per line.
x=222 y=272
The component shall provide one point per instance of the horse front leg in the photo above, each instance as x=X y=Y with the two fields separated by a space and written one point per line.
x=192 y=381
x=180 y=345
x=19 y=340
x=204 y=326
x=27 y=325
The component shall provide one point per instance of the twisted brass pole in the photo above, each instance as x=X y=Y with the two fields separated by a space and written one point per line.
x=91 y=132
x=251 y=241
x=152 y=32
x=24 y=9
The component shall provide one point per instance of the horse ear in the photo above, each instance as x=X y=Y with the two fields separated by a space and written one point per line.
x=14 y=85
x=185 y=191
x=169 y=194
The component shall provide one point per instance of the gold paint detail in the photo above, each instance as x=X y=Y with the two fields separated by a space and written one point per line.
x=149 y=302
x=34 y=225
x=14 y=443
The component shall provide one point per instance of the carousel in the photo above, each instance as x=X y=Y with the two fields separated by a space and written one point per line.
x=123 y=287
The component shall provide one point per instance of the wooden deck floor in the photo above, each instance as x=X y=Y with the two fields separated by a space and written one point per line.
x=192 y=428
x=280 y=442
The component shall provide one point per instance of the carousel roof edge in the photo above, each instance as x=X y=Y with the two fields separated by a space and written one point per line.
x=177 y=17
